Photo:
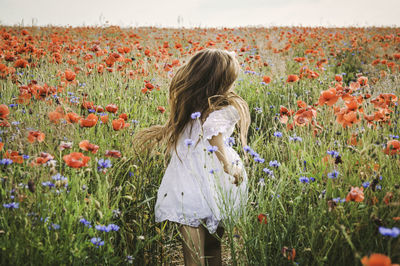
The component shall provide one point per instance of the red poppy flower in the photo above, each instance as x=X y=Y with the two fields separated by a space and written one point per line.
x=149 y=86
x=87 y=146
x=69 y=75
x=4 y=111
x=304 y=116
x=376 y=259
x=65 y=145
x=112 y=108
x=99 y=109
x=21 y=63
x=90 y=121
x=113 y=153
x=87 y=105
x=266 y=79
x=161 y=109
x=363 y=81
x=262 y=218
x=123 y=116
x=42 y=159
x=72 y=117
x=1 y=146
x=392 y=147
x=347 y=118
x=299 y=59
x=104 y=119
x=55 y=116
x=355 y=194
x=119 y=124
x=292 y=78
x=301 y=104
x=14 y=156
x=36 y=135
x=76 y=160
x=338 y=78
x=328 y=97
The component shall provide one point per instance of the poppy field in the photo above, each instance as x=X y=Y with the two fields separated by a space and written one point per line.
x=323 y=147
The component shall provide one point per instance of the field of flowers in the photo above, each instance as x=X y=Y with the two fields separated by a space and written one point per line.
x=324 y=150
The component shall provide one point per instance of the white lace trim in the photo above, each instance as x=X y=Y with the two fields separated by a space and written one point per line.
x=220 y=121
x=211 y=221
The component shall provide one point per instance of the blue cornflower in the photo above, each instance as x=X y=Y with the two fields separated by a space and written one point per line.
x=58 y=177
x=112 y=227
x=295 y=138
x=247 y=148
x=259 y=159
x=274 y=163
x=230 y=141
x=312 y=179
x=13 y=105
x=338 y=199
x=195 y=115
x=258 y=110
x=48 y=184
x=97 y=241
x=85 y=222
x=6 y=162
x=12 y=205
x=333 y=174
x=254 y=154
x=103 y=164
x=394 y=232
x=26 y=157
x=212 y=149
x=278 y=134
x=379 y=187
x=268 y=172
x=365 y=184
x=304 y=179
x=55 y=226
x=334 y=154
x=102 y=228
x=188 y=142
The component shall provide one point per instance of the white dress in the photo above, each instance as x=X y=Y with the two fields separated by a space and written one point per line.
x=195 y=187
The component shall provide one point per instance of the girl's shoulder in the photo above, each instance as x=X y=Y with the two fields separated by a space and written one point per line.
x=228 y=112
x=220 y=121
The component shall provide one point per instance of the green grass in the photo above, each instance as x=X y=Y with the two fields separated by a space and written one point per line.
x=298 y=214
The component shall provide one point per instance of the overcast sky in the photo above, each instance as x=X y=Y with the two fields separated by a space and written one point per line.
x=193 y=13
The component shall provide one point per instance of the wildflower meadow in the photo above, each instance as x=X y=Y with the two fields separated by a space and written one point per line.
x=323 y=153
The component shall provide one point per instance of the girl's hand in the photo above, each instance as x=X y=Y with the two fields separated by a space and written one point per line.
x=230 y=169
x=237 y=173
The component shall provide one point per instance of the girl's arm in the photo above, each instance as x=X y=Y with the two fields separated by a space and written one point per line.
x=219 y=142
x=228 y=168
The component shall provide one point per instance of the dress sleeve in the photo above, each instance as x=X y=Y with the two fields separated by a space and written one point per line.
x=220 y=121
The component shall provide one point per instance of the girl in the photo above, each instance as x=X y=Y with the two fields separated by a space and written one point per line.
x=205 y=181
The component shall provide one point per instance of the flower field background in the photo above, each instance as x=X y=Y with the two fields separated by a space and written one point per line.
x=323 y=154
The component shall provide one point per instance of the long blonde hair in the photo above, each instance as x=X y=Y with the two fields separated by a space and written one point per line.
x=201 y=85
